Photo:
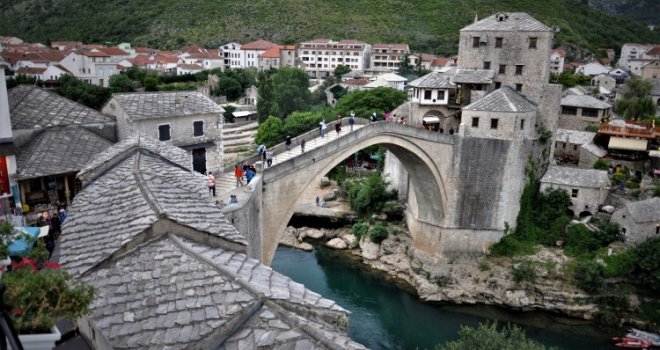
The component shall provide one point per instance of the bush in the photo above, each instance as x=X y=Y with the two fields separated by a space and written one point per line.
x=587 y=275
x=368 y=195
x=510 y=246
x=378 y=233
x=580 y=240
x=270 y=132
x=650 y=310
x=488 y=337
x=524 y=271
x=360 y=229
x=620 y=264
x=601 y=164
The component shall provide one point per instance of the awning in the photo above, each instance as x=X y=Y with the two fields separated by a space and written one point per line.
x=627 y=144
x=431 y=119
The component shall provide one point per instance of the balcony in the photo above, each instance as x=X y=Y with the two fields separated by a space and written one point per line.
x=629 y=128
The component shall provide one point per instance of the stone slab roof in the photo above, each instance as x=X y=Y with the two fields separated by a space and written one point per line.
x=136 y=141
x=59 y=150
x=473 y=76
x=574 y=136
x=504 y=99
x=165 y=104
x=434 y=80
x=647 y=210
x=584 y=101
x=127 y=200
x=577 y=177
x=594 y=149
x=513 y=22
x=31 y=107
x=173 y=293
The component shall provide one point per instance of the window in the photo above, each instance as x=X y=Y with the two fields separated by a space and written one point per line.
x=475 y=41
x=475 y=122
x=574 y=192
x=589 y=112
x=498 y=84
x=498 y=42
x=575 y=147
x=164 y=132
x=519 y=69
x=502 y=68
x=532 y=42
x=569 y=110
x=493 y=123
x=522 y=124
x=518 y=87
x=198 y=128
x=563 y=145
x=441 y=94
x=486 y=64
x=427 y=94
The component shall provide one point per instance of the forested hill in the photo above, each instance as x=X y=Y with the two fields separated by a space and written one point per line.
x=427 y=25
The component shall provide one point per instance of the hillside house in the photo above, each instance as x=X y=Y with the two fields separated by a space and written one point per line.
x=252 y=51
x=580 y=111
x=186 y=119
x=421 y=60
x=232 y=55
x=651 y=70
x=387 y=57
x=557 y=61
x=587 y=188
x=568 y=145
x=630 y=52
x=640 y=220
x=592 y=69
x=320 y=57
x=605 y=82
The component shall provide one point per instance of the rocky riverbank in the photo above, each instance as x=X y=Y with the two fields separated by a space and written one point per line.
x=466 y=279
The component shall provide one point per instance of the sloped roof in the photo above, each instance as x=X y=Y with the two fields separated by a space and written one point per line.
x=574 y=136
x=189 y=66
x=584 y=101
x=137 y=141
x=165 y=104
x=127 y=199
x=391 y=77
x=514 y=21
x=646 y=210
x=473 y=76
x=260 y=44
x=434 y=80
x=578 y=177
x=390 y=46
x=114 y=51
x=31 y=70
x=273 y=52
x=31 y=107
x=59 y=150
x=504 y=99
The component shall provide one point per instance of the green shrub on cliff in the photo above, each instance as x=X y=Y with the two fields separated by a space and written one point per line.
x=488 y=337
x=378 y=233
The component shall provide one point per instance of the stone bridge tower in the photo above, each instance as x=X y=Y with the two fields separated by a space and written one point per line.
x=504 y=59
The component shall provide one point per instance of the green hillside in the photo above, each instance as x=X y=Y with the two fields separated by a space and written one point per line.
x=427 y=25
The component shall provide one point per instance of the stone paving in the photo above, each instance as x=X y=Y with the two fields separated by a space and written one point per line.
x=226 y=183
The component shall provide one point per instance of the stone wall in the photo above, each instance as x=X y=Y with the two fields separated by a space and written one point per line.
x=508 y=124
x=246 y=215
x=587 y=199
x=635 y=232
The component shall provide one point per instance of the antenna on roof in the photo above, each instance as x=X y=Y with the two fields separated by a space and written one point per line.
x=476 y=18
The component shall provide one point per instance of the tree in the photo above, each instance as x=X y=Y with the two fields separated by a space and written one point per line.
x=488 y=337
x=379 y=100
x=290 y=92
x=636 y=101
x=270 y=132
x=264 y=94
x=92 y=96
x=648 y=263
x=150 y=82
x=341 y=70
x=229 y=87
x=568 y=79
x=229 y=113
x=121 y=83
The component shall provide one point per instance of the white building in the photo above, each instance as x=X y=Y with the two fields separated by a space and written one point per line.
x=587 y=187
x=557 y=61
x=631 y=52
x=252 y=51
x=592 y=69
x=321 y=56
x=388 y=57
x=232 y=55
x=94 y=66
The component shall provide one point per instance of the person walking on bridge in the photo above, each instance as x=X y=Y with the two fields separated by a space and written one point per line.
x=322 y=127
x=302 y=146
x=338 y=125
x=351 y=121
x=211 y=183
x=238 y=173
x=288 y=142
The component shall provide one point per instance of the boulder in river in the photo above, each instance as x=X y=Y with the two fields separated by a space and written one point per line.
x=336 y=243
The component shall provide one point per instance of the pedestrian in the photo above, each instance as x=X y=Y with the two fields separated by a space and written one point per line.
x=245 y=168
x=269 y=158
x=261 y=149
x=238 y=173
x=288 y=142
x=63 y=215
x=263 y=155
x=302 y=146
x=318 y=201
x=250 y=174
x=373 y=117
x=323 y=127
x=338 y=125
x=210 y=180
x=351 y=121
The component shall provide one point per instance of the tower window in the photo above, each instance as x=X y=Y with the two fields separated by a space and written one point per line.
x=498 y=84
x=522 y=124
x=502 y=68
x=574 y=192
x=519 y=69
x=532 y=42
x=486 y=64
x=475 y=41
x=164 y=132
x=475 y=122
x=493 y=123
x=518 y=87
x=498 y=42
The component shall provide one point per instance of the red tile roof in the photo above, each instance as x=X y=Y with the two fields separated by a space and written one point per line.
x=30 y=70
x=71 y=44
x=391 y=46
x=114 y=51
x=560 y=52
x=92 y=53
x=189 y=66
x=439 y=62
x=273 y=52
x=258 y=45
x=654 y=51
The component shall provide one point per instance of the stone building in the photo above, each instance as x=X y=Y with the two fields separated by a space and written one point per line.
x=171 y=272
x=568 y=145
x=387 y=57
x=187 y=119
x=432 y=100
x=580 y=111
x=640 y=220
x=587 y=187
x=55 y=137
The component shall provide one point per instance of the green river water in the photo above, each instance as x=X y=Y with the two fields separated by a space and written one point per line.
x=385 y=316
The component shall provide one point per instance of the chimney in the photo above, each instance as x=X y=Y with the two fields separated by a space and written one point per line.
x=5 y=123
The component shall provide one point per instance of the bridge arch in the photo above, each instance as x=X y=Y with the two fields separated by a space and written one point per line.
x=423 y=155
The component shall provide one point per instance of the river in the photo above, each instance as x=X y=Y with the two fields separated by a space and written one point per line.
x=385 y=316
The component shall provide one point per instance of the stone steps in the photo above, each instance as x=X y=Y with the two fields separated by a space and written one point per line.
x=241 y=135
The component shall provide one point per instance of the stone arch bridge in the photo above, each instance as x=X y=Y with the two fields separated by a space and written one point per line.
x=458 y=198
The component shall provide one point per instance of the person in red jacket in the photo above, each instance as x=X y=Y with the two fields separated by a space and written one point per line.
x=238 y=173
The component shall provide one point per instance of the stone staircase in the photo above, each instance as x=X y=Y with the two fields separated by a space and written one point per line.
x=238 y=141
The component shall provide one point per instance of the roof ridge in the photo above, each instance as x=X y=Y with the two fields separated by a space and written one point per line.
x=144 y=189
